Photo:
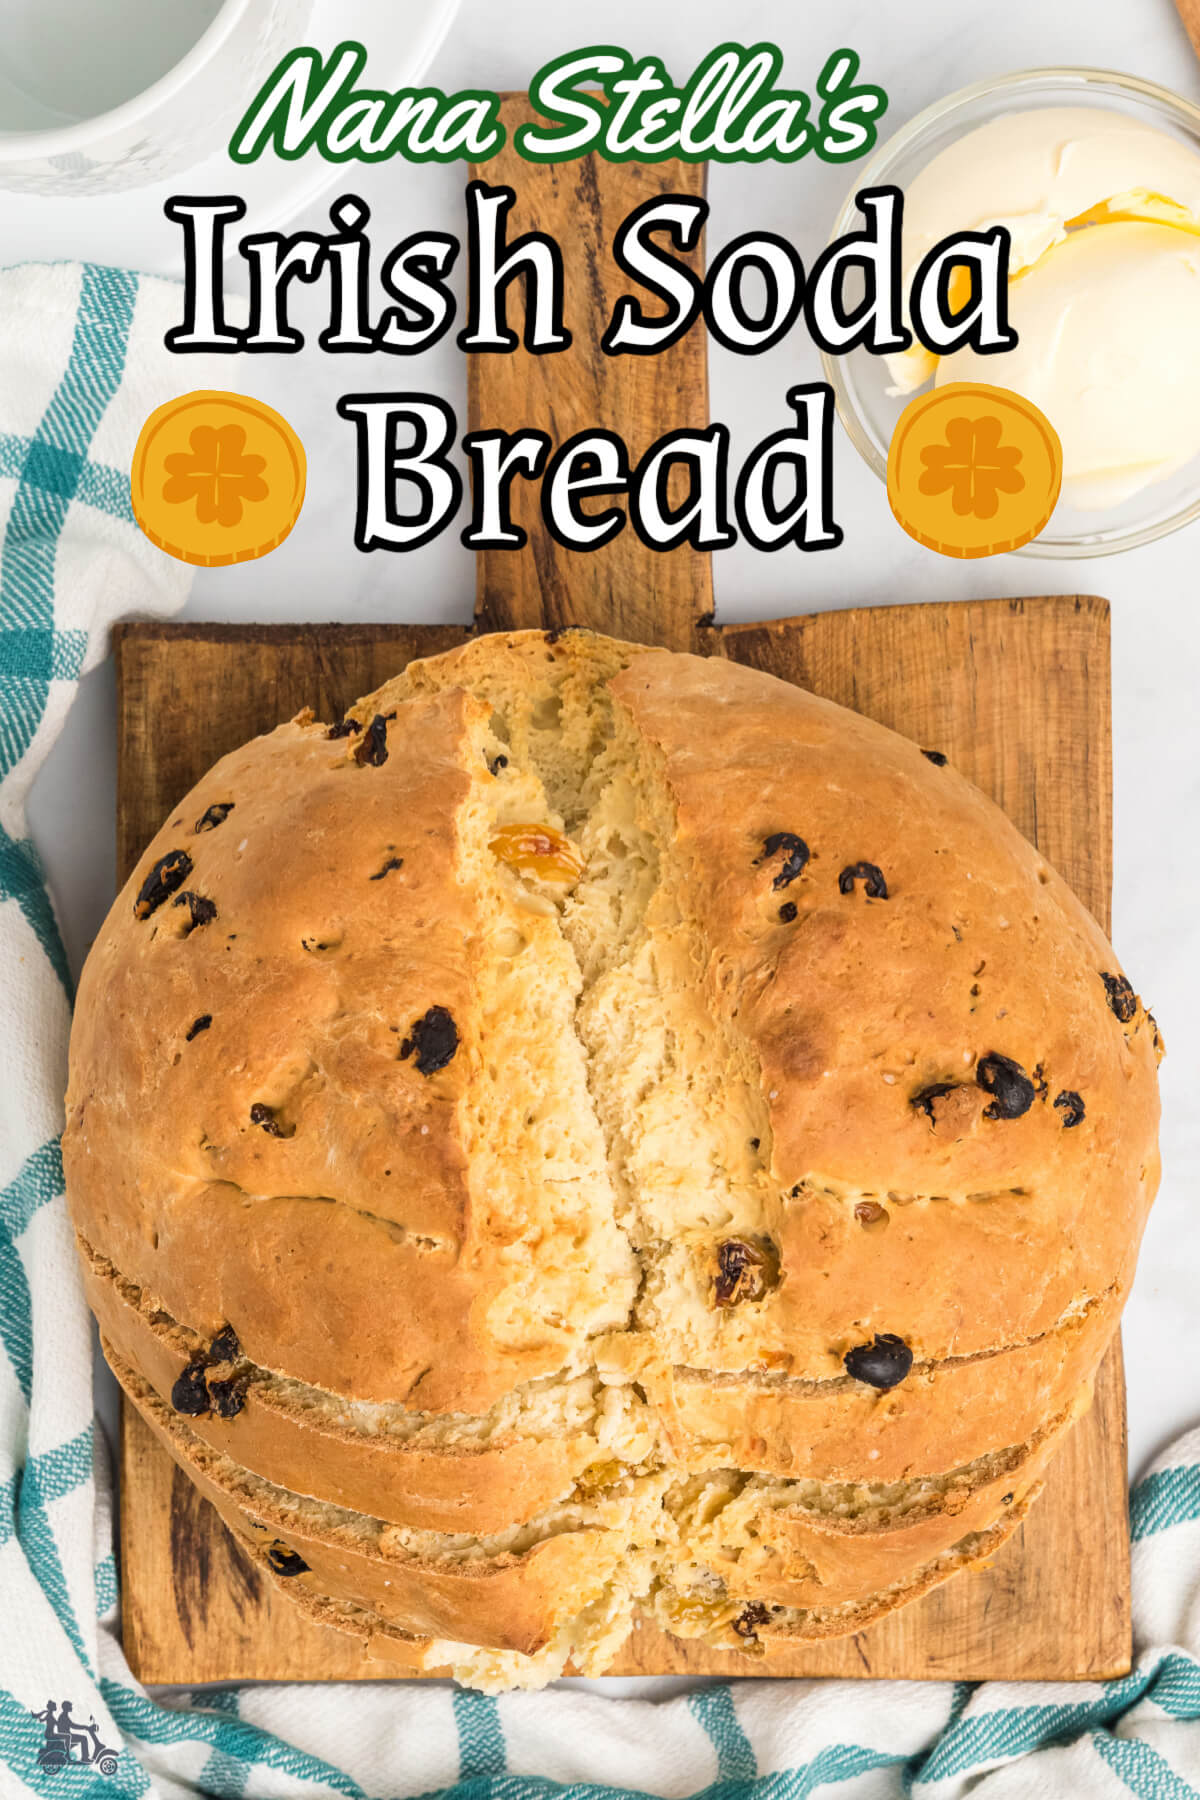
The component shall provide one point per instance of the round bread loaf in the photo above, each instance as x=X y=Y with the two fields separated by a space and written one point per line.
x=597 y=1128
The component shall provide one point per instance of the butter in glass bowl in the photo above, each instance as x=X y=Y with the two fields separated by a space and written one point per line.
x=1096 y=177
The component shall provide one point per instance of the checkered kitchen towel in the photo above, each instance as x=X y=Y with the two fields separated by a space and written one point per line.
x=81 y=364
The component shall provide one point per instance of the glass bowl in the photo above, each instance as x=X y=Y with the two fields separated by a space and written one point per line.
x=860 y=380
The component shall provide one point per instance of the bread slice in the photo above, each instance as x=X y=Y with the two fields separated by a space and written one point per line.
x=944 y=1414
x=812 y=1546
x=511 y=1590
x=756 y=1628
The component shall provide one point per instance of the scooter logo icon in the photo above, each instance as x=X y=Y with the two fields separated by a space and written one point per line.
x=67 y=1741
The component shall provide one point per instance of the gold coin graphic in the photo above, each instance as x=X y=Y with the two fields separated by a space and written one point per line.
x=217 y=478
x=973 y=470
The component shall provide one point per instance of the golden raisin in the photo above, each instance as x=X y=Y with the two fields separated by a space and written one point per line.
x=692 y=1610
x=870 y=1214
x=599 y=1475
x=537 y=850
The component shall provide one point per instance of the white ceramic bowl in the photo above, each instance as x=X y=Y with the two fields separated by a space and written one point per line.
x=172 y=123
x=860 y=380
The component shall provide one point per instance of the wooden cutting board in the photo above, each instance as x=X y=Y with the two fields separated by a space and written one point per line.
x=1015 y=692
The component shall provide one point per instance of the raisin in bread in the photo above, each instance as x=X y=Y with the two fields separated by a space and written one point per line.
x=597 y=1129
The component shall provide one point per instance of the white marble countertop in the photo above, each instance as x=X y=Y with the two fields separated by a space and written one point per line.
x=918 y=52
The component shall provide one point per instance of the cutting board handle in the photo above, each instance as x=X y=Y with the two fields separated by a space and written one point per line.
x=624 y=588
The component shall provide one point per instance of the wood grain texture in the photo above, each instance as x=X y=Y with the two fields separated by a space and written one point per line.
x=624 y=588
x=1017 y=694
x=1189 y=12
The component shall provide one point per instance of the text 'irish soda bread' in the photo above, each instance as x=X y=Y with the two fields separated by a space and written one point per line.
x=600 y=1128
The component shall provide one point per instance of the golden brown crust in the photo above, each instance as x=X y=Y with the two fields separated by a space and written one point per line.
x=218 y=1216
x=856 y=1006
x=341 y=1232
x=379 y=1642
x=816 y=1050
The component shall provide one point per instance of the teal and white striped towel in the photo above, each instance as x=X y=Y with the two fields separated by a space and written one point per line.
x=81 y=364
